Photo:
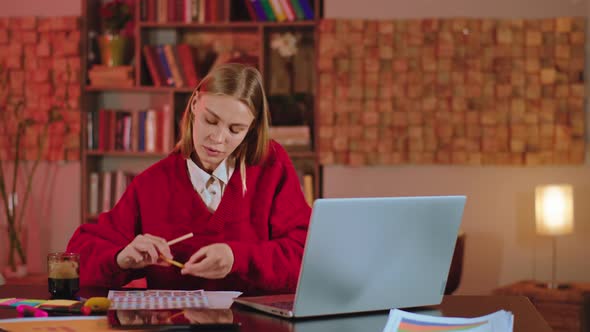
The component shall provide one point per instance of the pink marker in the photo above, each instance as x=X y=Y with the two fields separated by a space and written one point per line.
x=25 y=310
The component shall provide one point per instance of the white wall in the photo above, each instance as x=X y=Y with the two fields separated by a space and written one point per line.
x=386 y=9
x=40 y=8
x=501 y=243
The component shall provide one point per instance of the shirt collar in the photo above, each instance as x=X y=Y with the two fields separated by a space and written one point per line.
x=199 y=177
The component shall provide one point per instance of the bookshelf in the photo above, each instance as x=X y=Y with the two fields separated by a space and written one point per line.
x=227 y=27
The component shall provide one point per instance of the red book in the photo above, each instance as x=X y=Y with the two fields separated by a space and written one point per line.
x=251 y=10
x=152 y=64
x=171 y=6
x=213 y=8
x=102 y=129
x=151 y=10
x=187 y=63
x=112 y=118
x=160 y=131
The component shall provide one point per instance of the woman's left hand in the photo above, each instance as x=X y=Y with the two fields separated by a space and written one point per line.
x=211 y=262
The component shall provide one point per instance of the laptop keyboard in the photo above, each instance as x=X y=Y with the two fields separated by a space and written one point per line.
x=285 y=305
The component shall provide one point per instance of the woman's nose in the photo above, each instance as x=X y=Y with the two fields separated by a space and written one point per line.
x=217 y=135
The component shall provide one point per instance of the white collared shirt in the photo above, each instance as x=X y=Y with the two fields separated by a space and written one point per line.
x=210 y=186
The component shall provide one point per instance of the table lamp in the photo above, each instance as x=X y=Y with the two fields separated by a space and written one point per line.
x=554 y=211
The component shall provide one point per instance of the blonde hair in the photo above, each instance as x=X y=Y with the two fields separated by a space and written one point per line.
x=245 y=84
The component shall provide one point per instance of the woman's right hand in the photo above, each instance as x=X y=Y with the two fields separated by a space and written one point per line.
x=144 y=250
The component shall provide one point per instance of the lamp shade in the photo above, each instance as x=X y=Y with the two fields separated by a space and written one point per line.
x=554 y=209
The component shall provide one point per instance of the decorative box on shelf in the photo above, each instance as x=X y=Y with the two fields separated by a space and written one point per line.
x=564 y=309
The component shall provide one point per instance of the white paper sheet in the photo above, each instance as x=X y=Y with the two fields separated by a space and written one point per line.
x=499 y=321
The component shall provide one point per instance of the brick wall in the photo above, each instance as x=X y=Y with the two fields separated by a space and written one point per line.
x=40 y=72
x=451 y=91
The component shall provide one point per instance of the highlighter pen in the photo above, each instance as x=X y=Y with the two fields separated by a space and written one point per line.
x=77 y=309
x=25 y=310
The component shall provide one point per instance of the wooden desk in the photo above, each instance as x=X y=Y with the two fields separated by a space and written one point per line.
x=566 y=310
x=526 y=317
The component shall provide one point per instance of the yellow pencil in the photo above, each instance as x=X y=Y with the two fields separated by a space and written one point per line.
x=174 y=241
x=171 y=261
x=180 y=238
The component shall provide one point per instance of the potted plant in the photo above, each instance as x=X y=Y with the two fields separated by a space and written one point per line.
x=114 y=41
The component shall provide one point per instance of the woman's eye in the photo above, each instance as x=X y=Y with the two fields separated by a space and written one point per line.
x=210 y=121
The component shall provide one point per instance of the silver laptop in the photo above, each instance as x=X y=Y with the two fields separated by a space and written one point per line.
x=369 y=254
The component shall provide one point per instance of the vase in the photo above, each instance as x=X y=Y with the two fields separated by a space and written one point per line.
x=20 y=269
x=113 y=49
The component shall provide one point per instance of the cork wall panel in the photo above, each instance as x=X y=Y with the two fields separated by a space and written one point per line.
x=40 y=88
x=451 y=91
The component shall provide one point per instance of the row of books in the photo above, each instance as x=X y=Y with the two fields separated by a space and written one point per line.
x=176 y=65
x=101 y=75
x=171 y=65
x=105 y=189
x=279 y=10
x=187 y=11
x=121 y=130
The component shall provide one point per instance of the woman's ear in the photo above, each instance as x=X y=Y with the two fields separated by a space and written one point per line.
x=194 y=102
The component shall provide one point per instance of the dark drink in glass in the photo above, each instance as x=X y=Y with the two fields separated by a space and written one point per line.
x=64 y=275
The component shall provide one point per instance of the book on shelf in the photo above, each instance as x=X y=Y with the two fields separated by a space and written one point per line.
x=154 y=67
x=91 y=130
x=268 y=10
x=308 y=191
x=105 y=191
x=166 y=128
x=212 y=11
x=299 y=11
x=150 y=131
x=105 y=129
x=186 y=59
x=306 y=8
x=291 y=136
x=106 y=188
x=123 y=131
x=307 y=184
x=168 y=78
x=287 y=9
x=252 y=11
x=187 y=11
x=171 y=65
x=282 y=10
x=275 y=5
x=126 y=130
x=100 y=75
x=141 y=116
x=172 y=60
x=93 y=190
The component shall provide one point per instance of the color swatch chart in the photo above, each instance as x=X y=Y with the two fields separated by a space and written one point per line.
x=158 y=299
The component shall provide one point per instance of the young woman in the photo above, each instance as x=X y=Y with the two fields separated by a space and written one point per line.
x=225 y=182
